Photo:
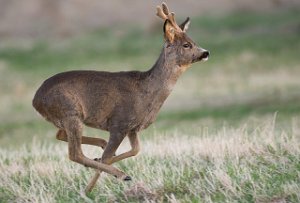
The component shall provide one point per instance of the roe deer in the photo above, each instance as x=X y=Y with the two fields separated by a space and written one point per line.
x=122 y=103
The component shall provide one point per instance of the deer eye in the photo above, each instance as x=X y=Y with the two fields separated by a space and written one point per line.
x=187 y=45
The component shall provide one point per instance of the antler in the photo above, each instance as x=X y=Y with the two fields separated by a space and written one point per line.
x=163 y=12
x=165 y=8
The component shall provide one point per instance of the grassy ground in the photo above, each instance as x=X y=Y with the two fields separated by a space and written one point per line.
x=228 y=133
x=232 y=165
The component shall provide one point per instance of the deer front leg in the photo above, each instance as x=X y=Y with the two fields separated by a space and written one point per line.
x=135 y=148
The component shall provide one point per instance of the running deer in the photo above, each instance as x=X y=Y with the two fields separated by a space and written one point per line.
x=122 y=103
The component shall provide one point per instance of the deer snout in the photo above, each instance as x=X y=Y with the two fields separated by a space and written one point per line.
x=204 y=55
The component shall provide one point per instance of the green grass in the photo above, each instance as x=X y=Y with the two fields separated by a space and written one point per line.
x=235 y=112
x=214 y=140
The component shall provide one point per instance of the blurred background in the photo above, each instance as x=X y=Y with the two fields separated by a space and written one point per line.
x=253 y=73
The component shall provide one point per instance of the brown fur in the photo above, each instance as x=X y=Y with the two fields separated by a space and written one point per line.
x=122 y=103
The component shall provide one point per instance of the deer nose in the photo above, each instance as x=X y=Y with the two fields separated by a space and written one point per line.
x=205 y=54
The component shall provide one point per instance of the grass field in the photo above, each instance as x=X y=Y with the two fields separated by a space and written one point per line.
x=228 y=133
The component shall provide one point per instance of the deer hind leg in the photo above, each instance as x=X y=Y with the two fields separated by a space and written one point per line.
x=62 y=135
x=114 y=142
x=99 y=142
x=73 y=128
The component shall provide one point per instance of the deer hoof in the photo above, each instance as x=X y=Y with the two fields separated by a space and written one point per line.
x=127 y=178
x=97 y=159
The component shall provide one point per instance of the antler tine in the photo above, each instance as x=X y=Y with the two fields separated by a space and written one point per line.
x=160 y=13
x=172 y=18
x=163 y=12
x=165 y=8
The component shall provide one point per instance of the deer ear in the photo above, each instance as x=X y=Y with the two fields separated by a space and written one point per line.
x=185 y=25
x=169 y=31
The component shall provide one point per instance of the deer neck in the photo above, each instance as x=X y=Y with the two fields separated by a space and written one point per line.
x=162 y=77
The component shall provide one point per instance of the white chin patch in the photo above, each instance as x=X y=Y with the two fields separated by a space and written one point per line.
x=205 y=59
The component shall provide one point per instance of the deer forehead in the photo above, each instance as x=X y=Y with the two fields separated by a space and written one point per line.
x=182 y=37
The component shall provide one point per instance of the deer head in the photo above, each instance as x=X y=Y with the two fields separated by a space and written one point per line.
x=178 y=45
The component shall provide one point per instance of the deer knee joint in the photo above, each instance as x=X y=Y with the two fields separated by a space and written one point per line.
x=135 y=151
x=102 y=144
x=76 y=157
x=61 y=135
